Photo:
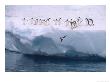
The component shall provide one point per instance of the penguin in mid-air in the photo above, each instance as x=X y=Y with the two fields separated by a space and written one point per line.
x=61 y=38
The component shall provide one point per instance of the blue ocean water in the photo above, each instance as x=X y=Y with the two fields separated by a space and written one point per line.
x=16 y=62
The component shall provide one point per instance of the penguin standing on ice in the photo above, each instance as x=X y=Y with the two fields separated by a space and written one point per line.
x=67 y=22
x=73 y=24
x=31 y=21
x=89 y=22
x=79 y=20
x=59 y=21
x=36 y=21
x=48 y=21
x=24 y=21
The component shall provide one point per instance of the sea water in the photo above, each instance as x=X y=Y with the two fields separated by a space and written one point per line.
x=16 y=62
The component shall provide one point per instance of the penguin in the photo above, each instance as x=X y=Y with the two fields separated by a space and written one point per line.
x=89 y=22
x=79 y=21
x=61 y=38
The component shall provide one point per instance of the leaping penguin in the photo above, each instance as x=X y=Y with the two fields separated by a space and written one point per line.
x=61 y=38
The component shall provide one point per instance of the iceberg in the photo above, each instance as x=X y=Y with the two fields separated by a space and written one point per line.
x=80 y=43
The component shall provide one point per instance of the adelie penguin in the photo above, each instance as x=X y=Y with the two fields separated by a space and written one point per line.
x=61 y=38
x=89 y=22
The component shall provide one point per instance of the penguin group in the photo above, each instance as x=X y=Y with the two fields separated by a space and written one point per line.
x=72 y=23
